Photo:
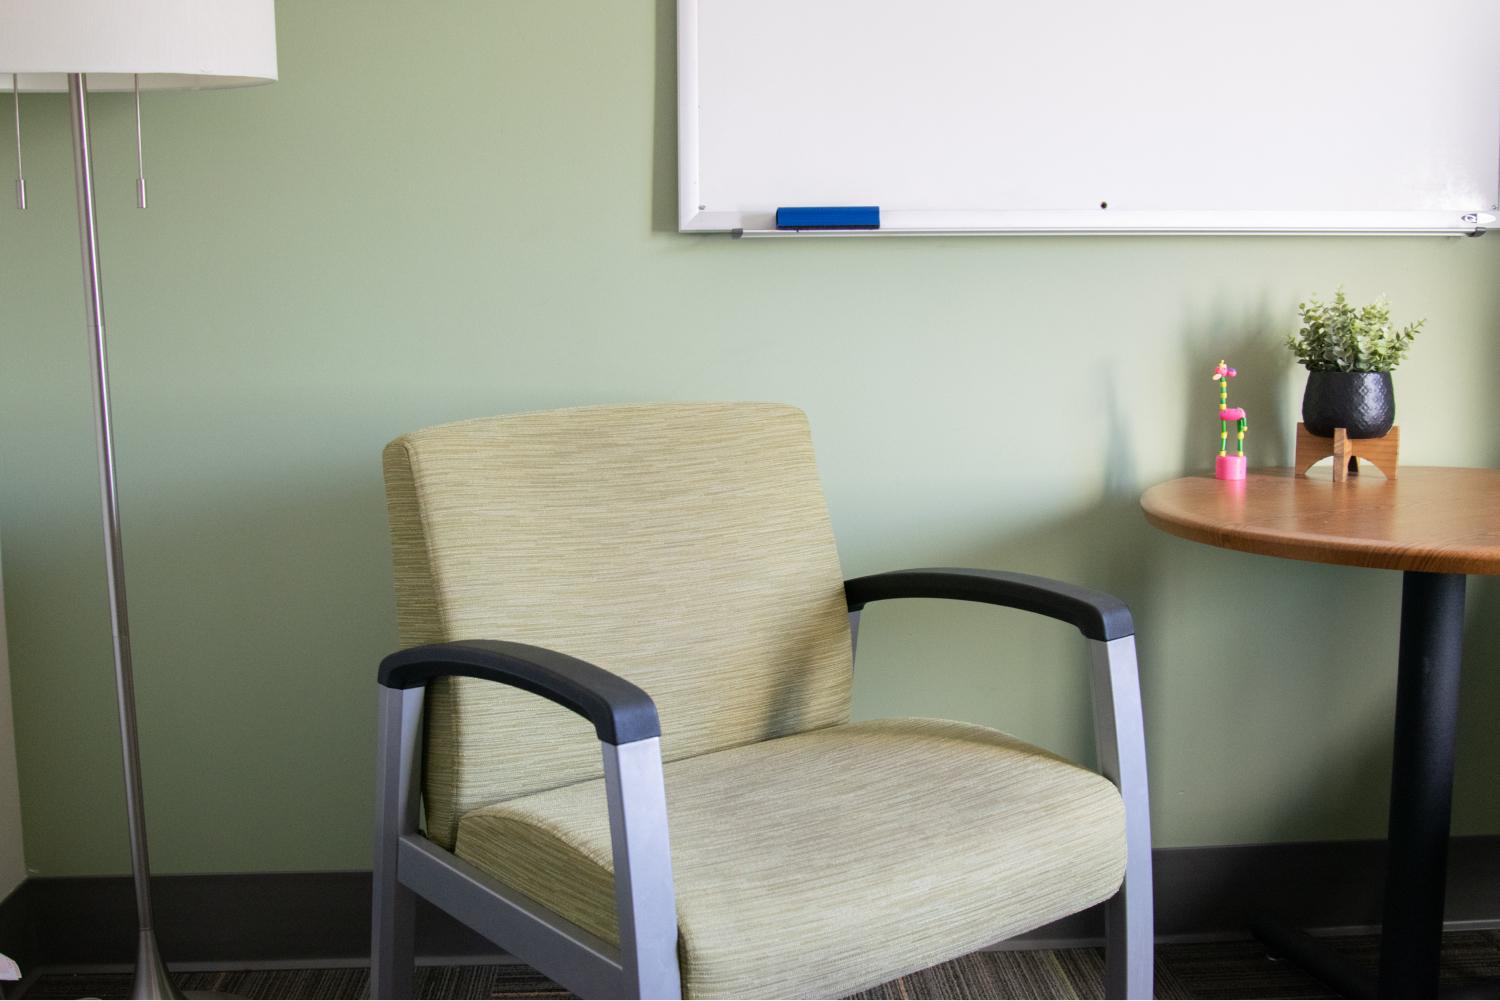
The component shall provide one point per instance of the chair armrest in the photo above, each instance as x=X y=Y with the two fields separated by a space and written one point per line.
x=1099 y=616
x=621 y=712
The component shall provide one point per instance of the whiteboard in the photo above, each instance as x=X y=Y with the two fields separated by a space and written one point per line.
x=1083 y=116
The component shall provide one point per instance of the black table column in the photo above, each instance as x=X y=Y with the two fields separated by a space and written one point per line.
x=1432 y=627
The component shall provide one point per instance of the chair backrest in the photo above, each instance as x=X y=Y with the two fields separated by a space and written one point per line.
x=685 y=547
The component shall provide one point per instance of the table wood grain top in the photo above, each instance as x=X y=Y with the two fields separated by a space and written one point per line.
x=1435 y=519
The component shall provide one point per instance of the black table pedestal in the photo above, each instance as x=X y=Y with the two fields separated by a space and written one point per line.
x=1432 y=624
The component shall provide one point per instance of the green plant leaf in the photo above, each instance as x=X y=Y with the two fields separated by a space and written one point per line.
x=1338 y=337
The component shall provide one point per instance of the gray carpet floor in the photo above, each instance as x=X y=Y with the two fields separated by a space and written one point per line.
x=1216 y=970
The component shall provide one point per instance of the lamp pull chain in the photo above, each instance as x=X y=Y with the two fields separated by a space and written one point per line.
x=15 y=90
x=140 y=156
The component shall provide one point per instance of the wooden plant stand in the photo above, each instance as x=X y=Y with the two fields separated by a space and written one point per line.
x=1346 y=451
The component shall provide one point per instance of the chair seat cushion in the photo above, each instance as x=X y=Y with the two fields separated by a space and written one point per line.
x=822 y=863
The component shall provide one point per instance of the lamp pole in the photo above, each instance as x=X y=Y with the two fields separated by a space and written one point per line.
x=151 y=980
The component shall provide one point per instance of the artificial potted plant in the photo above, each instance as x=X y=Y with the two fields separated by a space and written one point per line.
x=1349 y=353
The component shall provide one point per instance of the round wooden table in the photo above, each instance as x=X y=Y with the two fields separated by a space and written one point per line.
x=1436 y=525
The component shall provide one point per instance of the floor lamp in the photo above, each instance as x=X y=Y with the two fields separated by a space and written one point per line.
x=80 y=46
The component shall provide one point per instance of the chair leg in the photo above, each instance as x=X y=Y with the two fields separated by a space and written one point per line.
x=1129 y=945
x=393 y=908
x=644 y=896
x=393 y=949
x=1121 y=739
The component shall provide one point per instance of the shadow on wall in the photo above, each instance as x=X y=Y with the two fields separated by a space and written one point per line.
x=664 y=122
x=1476 y=800
x=1213 y=680
x=1251 y=343
x=1187 y=620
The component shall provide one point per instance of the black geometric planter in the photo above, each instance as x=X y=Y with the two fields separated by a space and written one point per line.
x=1364 y=403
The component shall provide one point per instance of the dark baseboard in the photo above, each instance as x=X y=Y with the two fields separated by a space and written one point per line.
x=235 y=918
x=306 y=918
x=1213 y=893
x=18 y=931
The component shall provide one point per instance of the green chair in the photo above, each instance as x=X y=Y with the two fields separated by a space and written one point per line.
x=667 y=575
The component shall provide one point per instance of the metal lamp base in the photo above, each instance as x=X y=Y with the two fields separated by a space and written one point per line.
x=151 y=979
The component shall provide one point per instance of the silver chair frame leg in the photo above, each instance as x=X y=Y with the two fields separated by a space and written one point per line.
x=1121 y=738
x=406 y=865
x=644 y=893
x=397 y=799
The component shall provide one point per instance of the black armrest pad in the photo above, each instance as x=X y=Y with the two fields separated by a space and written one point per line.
x=621 y=712
x=1097 y=615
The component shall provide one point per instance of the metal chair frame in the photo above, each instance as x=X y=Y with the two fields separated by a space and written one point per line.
x=645 y=964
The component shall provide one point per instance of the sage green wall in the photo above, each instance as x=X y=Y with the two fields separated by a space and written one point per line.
x=454 y=209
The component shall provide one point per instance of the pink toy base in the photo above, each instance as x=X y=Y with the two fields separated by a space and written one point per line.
x=1229 y=467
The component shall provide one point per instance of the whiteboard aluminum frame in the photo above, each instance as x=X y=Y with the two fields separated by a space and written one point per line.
x=693 y=217
x=1112 y=223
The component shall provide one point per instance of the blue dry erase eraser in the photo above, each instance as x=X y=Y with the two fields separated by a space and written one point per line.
x=829 y=217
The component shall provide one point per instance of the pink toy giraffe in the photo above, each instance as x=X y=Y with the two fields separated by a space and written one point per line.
x=1226 y=466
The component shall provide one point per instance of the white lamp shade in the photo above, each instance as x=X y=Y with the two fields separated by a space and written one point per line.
x=170 y=43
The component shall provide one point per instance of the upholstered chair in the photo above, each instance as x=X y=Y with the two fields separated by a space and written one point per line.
x=661 y=582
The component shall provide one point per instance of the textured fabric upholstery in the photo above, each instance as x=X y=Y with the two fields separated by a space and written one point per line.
x=686 y=548
x=819 y=864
